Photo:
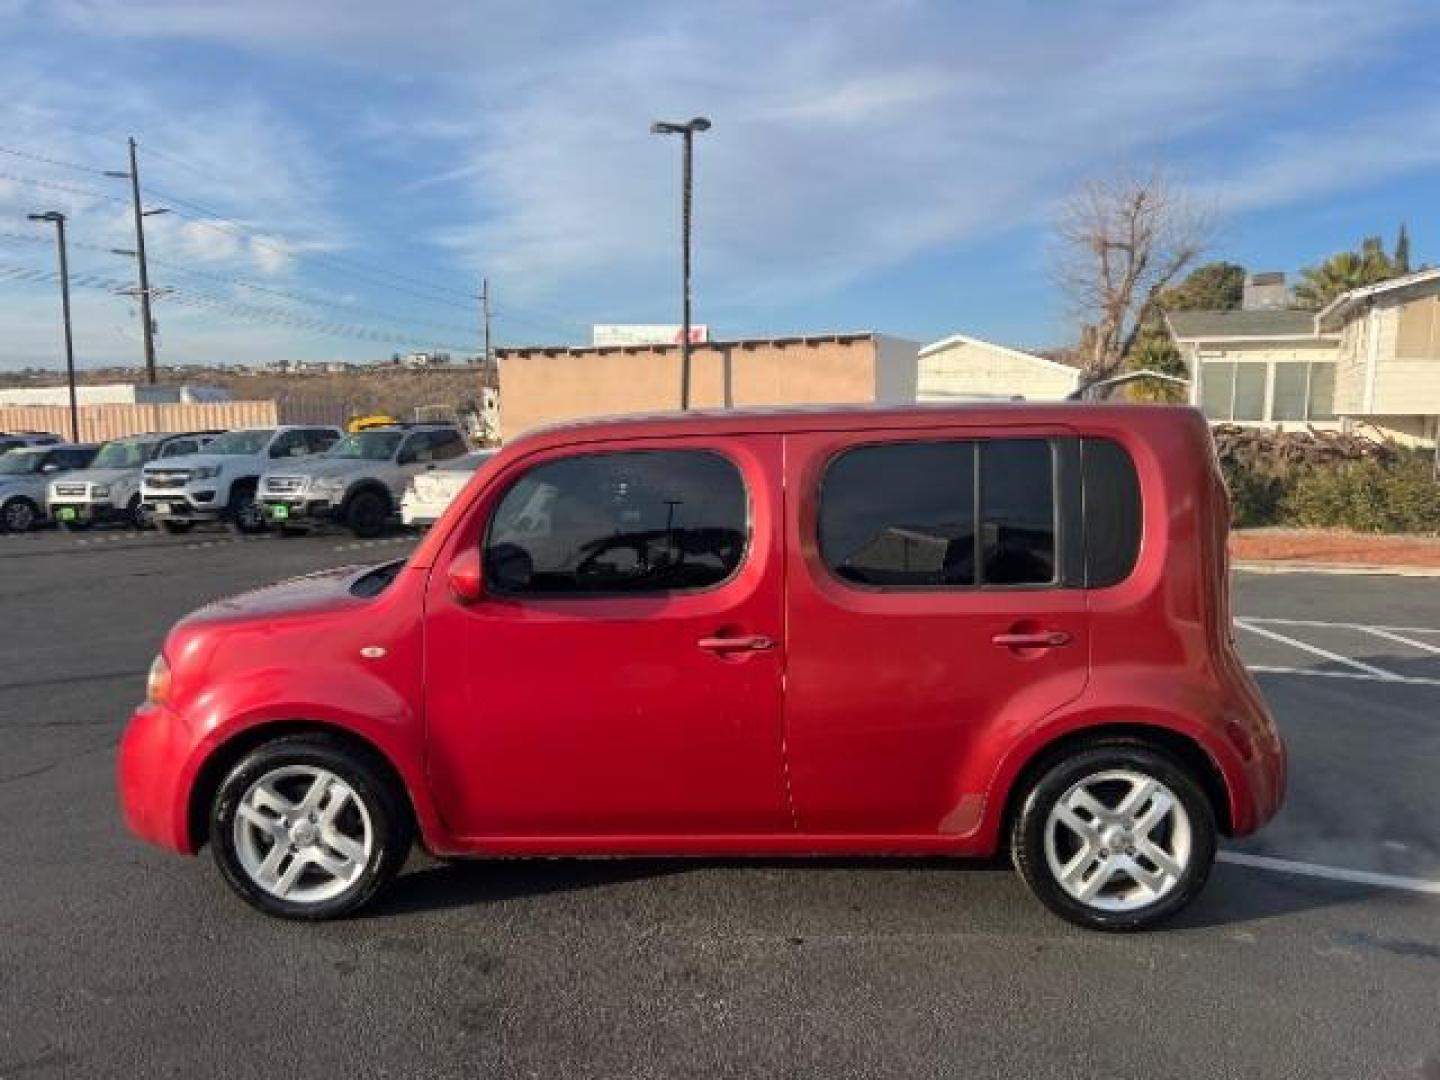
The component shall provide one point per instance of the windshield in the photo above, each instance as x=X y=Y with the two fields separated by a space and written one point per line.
x=123 y=454
x=241 y=442
x=367 y=445
x=20 y=462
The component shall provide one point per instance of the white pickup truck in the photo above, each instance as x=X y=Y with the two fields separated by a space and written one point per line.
x=219 y=483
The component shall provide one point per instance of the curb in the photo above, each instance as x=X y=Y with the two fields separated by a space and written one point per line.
x=1275 y=566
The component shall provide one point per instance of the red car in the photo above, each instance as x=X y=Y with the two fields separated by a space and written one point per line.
x=911 y=631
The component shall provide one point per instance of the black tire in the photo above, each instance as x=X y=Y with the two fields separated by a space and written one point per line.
x=243 y=510
x=366 y=513
x=1028 y=833
x=19 y=515
x=136 y=516
x=176 y=528
x=388 y=811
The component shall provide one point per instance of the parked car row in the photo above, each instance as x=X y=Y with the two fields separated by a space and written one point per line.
x=292 y=478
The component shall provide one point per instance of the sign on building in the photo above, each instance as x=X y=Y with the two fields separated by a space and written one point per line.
x=645 y=334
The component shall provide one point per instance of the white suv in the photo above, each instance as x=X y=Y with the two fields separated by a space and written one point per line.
x=219 y=483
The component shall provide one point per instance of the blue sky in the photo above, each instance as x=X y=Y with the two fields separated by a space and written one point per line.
x=887 y=164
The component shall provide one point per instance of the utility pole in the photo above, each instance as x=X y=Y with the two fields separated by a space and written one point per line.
x=687 y=131
x=147 y=322
x=54 y=217
x=485 y=321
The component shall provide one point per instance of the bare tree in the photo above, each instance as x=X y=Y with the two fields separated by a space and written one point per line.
x=1121 y=240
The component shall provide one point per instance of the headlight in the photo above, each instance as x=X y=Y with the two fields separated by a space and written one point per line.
x=206 y=472
x=157 y=682
x=99 y=491
x=331 y=485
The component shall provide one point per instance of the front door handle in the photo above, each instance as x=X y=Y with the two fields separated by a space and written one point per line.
x=1040 y=639
x=746 y=643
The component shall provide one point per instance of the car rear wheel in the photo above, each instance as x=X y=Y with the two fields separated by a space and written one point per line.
x=366 y=513
x=19 y=515
x=1117 y=836
x=305 y=827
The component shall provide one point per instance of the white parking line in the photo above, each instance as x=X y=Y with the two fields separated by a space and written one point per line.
x=1399 y=680
x=1266 y=620
x=1401 y=639
x=1330 y=873
x=1315 y=650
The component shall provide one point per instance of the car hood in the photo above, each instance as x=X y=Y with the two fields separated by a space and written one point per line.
x=193 y=461
x=98 y=476
x=318 y=467
x=327 y=590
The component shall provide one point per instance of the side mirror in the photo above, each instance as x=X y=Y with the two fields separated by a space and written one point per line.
x=466 y=580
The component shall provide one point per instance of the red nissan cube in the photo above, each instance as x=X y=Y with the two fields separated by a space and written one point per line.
x=951 y=630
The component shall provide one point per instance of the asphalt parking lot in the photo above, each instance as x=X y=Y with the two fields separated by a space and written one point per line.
x=1315 y=951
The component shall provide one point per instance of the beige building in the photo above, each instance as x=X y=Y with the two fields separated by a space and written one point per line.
x=961 y=366
x=1369 y=362
x=549 y=384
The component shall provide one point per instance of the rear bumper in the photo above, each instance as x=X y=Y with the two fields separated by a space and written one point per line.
x=151 y=772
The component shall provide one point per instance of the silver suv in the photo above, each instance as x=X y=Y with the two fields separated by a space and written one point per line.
x=109 y=489
x=24 y=475
x=360 y=481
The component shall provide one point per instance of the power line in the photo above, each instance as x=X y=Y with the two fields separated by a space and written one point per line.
x=30 y=155
x=69 y=189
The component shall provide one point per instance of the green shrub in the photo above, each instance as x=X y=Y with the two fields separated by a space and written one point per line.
x=1367 y=496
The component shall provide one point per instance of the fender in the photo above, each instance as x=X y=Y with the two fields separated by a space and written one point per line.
x=1190 y=710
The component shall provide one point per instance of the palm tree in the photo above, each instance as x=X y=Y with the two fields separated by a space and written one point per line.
x=1342 y=272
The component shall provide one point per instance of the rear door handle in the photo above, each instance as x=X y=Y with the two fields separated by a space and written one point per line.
x=1042 y=639
x=747 y=643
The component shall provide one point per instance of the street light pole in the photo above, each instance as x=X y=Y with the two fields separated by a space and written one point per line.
x=58 y=220
x=687 y=132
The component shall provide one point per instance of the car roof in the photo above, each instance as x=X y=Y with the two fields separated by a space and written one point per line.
x=1078 y=415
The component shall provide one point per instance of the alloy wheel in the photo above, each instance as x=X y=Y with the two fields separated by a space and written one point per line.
x=19 y=516
x=303 y=834
x=1118 y=840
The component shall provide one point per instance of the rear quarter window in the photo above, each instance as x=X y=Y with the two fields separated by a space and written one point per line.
x=1112 y=512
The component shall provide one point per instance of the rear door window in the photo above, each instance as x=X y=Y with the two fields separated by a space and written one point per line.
x=941 y=514
x=628 y=523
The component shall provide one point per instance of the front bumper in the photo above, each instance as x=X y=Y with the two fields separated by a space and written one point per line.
x=153 y=781
x=299 y=510
x=182 y=505
x=66 y=511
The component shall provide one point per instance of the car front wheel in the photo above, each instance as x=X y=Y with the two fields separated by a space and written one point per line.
x=306 y=827
x=1117 y=836
x=19 y=515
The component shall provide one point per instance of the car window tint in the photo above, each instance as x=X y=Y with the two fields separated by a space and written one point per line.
x=178 y=447
x=901 y=515
x=630 y=523
x=447 y=445
x=1112 y=513
x=1017 y=512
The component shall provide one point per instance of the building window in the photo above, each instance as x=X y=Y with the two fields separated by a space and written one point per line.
x=1282 y=390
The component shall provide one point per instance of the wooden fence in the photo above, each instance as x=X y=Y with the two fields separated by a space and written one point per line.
x=101 y=422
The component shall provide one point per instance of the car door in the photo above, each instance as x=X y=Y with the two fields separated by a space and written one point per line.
x=934 y=607
x=621 y=676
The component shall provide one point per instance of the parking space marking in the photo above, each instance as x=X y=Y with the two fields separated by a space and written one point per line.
x=1315 y=650
x=1330 y=873
x=1383 y=631
x=1398 y=680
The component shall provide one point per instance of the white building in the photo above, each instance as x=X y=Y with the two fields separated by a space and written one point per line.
x=961 y=366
